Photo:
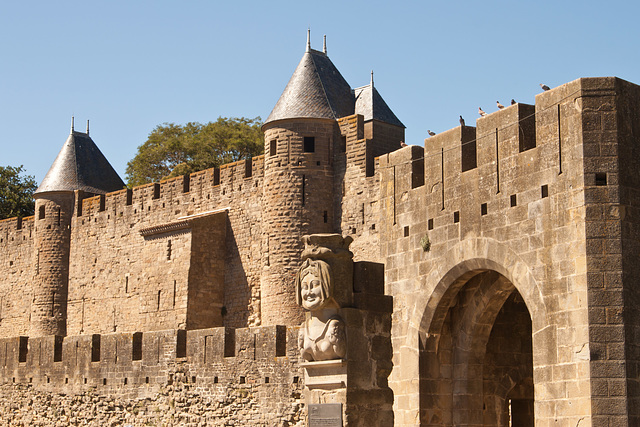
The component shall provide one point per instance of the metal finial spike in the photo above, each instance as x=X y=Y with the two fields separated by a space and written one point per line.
x=371 y=78
x=308 y=39
x=72 y=127
x=324 y=45
x=87 y=127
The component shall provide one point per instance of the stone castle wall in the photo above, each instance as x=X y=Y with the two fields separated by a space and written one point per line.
x=17 y=267
x=521 y=208
x=246 y=376
x=509 y=248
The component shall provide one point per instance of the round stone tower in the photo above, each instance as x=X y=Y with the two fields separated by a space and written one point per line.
x=298 y=196
x=79 y=169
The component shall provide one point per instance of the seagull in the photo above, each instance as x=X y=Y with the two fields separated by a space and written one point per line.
x=430 y=133
x=513 y=102
x=500 y=106
x=545 y=87
x=481 y=112
x=461 y=121
x=402 y=144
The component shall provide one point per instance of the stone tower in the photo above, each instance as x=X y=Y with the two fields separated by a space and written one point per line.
x=79 y=170
x=303 y=139
x=299 y=134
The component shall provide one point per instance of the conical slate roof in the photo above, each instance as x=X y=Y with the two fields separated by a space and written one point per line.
x=81 y=166
x=316 y=90
x=370 y=104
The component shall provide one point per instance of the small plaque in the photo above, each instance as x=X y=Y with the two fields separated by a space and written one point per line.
x=325 y=415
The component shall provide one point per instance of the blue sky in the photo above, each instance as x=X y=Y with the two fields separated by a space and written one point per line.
x=128 y=66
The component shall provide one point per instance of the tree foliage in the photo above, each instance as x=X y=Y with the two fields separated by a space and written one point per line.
x=173 y=150
x=16 y=192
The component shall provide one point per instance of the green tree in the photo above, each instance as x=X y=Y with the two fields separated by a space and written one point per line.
x=16 y=192
x=173 y=150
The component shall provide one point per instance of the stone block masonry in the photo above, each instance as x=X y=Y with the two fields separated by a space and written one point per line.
x=246 y=376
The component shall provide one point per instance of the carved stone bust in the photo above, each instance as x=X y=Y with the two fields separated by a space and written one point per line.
x=322 y=335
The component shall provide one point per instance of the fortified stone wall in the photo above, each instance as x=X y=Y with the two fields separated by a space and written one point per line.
x=518 y=210
x=356 y=189
x=17 y=264
x=121 y=280
x=247 y=376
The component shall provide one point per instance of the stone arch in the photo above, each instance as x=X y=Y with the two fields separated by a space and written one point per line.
x=490 y=273
x=457 y=266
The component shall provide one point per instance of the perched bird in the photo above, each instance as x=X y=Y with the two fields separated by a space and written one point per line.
x=430 y=133
x=513 y=102
x=481 y=112
x=402 y=144
x=461 y=121
x=545 y=87
x=500 y=106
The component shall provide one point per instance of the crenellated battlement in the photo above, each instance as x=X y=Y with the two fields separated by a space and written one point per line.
x=11 y=228
x=213 y=183
x=143 y=361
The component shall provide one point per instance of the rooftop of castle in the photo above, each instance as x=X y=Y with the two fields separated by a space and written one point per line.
x=80 y=165
x=318 y=90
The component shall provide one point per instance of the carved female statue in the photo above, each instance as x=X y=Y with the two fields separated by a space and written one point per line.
x=322 y=335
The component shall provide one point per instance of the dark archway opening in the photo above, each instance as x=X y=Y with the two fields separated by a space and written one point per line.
x=476 y=364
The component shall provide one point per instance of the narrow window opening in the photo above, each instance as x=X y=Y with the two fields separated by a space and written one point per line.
x=41 y=212
x=309 y=144
x=23 y=349
x=66 y=380
x=215 y=380
x=146 y=380
x=103 y=202
x=216 y=176
x=601 y=179
x=514 y=201
x=126 y=284
x=456 y=216
x=95 y=347
x=353 y=230
x=430 y=224
x=193 y=379
x=136 y=349
x=545 y=191
x=186 y=183
x=266 y=380
x=406 y=231
x=304 y=183
x=483 y=209
x=85 y=380
x=295 y=380
x=125 y=381
x=156 y=190
x=272 y=147
x=242 y=380
x=104 y=381
x=174 y=294
x=373 y=226
x=158 y=301
x=325 y=216
x=343 y=144
x=181 y=343
x=168 y=249
x=129 y=197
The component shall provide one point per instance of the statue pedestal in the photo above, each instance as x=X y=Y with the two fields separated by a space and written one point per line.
x=325 y=374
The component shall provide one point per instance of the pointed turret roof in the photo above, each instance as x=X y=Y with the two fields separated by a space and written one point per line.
x=370 y=104
x=80 y=166
x=316 y=90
